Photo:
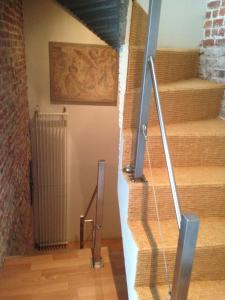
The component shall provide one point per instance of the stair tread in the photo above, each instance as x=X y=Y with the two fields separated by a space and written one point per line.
x=211 y=175
x=182 y=50
x=206 y=290
x=190 y=84
x=211 y=233
x=212 y=127
x=187 y=84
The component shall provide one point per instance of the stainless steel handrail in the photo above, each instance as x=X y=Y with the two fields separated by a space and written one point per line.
x=98 y=220
x=188 y=224
x=91 y=201
x=165 y=142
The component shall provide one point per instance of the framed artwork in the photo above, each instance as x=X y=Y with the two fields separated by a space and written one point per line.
x=83 y=74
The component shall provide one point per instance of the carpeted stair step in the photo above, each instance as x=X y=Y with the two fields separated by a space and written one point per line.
x=171 y=65
x=198 y=143
x=199 y=189
x=186 y=100
x=209 y=263
x=207 y=290
x=137 y=32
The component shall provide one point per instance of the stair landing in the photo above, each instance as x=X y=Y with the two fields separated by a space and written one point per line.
x=64 y=275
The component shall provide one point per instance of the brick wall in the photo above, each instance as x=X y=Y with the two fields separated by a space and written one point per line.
x=15 y=209
x=212 y=61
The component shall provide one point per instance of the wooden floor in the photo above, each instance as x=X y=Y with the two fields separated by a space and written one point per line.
x=65 y=275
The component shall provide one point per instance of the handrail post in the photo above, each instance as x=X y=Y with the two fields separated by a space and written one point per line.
x=96 y=250
x=150 y=50
x=82 y=220
x=185 y=255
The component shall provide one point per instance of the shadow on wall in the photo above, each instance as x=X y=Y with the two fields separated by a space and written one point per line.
x=88 y=149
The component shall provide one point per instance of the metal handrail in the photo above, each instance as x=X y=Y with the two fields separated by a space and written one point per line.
x=98 y=220
x=91 y=201
x=188 y=224
x=165 y=142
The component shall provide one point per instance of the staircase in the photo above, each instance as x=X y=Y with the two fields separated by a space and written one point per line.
x=106 y=19
x=197 y=144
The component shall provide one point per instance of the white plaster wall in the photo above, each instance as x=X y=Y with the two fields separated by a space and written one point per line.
x=181 y=22
x=129 y=246
x=93 y=130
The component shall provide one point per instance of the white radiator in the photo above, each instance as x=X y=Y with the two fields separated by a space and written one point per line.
x=50 y=182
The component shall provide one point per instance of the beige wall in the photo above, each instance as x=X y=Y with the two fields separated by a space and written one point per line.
x=93 y=130
x=181 y=22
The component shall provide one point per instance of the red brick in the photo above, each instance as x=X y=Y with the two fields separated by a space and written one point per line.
x=4 y=34
x=218 y=22
x=208 y=15
x=214 y=32
x=215 y=13
x=208 y=43
x=214 y=4
x=207 y=33
x=222 y=11
x=221 y=32
x=208 y=24
x=220 y=42
x=14 y=131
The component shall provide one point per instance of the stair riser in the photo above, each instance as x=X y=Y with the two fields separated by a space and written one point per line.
x=207 y=290
x=170 y=66
x=198 y=199
x=178 y=106
x=190 y=151
x=186 y=151
x=137 y=32
x=208 y=265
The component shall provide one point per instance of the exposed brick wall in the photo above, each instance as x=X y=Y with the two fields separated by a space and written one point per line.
x=212 y=61
x=15 y=209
